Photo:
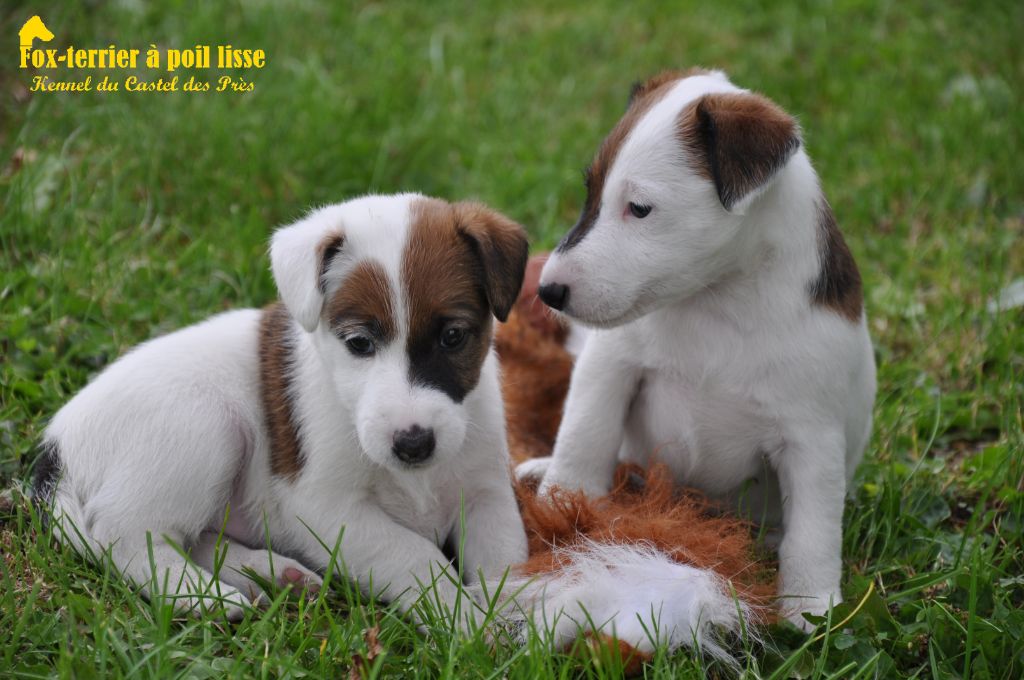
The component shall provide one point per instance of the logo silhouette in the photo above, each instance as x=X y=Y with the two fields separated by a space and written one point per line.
x=34 y=28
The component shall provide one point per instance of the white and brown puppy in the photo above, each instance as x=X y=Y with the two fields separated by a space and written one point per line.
x=365 y=407
x=731 y=340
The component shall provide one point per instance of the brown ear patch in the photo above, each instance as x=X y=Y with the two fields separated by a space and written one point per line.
x=443 y=280
x=644 y=96
x=502 y=248
x=276 y=367
x=737 y=140
x=325 y=252
x=838 y=285
x=365 y=300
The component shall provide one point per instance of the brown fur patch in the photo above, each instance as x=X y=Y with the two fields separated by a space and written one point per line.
x=633 y=660
x=461 y=262
x=535 y=370
x=364 y=300
x=502 y=248
x=535 y=381
x=737 y=140
x=645 y=87
x=644 y=507
x=838 y=285
x=325 y=252
x=644 y=96
x=275 y=354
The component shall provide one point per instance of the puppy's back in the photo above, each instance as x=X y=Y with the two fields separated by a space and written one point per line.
x=159 y=408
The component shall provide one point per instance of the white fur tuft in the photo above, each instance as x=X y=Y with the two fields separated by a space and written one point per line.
x=635 y=593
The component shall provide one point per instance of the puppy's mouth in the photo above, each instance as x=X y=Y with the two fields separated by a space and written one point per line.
x=393 y=463
x=597 y=321
x=602 y=319
x=412 y=466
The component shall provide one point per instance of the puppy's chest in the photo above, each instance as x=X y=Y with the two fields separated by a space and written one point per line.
x=705 y=425
x=426 y=502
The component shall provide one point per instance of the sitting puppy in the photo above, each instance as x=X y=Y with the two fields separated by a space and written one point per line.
x=731 y=341
x=365 y=407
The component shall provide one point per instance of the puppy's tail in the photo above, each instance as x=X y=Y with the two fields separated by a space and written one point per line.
x=46 y=475
x=58 y=510
x=636 y=595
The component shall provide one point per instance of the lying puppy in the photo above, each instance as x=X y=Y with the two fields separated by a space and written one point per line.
x=731 y=342
x=365 y=407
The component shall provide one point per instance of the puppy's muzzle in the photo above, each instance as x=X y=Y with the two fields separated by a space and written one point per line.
x=554 y=295
x=413 y=446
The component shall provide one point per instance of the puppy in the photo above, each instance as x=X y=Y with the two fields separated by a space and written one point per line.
x=364 y=408
x=730 y=339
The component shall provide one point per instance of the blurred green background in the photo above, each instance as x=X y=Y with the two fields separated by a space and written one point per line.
x=127 y=215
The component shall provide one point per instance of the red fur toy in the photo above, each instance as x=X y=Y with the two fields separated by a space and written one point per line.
x=647 y=551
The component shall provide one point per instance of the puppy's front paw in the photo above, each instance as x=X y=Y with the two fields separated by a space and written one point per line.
x=234 y=613
x=533 y=470
x=557 y=478
x=229 y=601
x=282 y=572
x=794 y=608
x=298 y=577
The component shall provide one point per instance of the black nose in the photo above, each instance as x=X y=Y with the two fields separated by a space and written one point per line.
x=554 y=295
x=414 y=445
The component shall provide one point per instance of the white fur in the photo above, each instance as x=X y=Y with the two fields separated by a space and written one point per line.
x=173 y=434
x=708 y=352
x=635 y=593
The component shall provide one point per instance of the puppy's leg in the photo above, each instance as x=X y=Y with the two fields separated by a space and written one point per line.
x=235 y=559
x=534 y=468
x=812 y=481
x=189 y=587
x=591 y=433
x=166 y=474
x=377 y=552
x=493 y=537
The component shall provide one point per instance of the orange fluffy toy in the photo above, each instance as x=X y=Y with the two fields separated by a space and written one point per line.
x=646 y=554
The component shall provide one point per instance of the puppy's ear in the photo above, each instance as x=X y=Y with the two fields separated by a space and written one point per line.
x=300 y=255
x=502 y=248
x=739 y=141
x=635 y=91
x=641 y=88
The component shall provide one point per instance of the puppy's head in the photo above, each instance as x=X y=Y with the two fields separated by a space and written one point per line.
x=666 y=195
x=398 y=293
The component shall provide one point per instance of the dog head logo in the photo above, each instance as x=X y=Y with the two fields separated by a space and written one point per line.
x=34 y=29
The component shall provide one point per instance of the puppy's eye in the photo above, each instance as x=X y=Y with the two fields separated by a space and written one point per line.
x=360 y=345
x=639 y=211
x=452 y=337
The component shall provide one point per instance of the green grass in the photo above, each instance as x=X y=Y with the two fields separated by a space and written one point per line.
x=124 y=216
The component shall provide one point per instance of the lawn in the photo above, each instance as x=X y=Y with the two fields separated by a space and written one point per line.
x=128 y=215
